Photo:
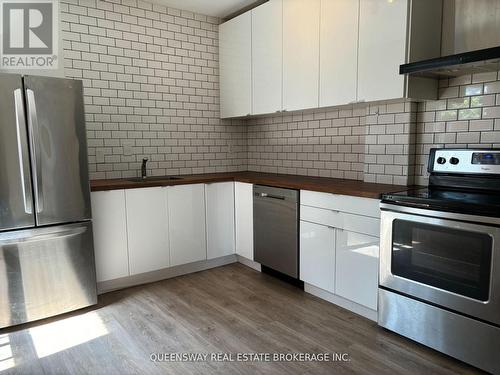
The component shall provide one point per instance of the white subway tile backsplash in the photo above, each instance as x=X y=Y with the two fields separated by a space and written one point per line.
x=151 y=78
x=150 y=83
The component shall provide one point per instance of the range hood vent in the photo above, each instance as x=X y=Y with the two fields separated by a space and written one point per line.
x=480 y=61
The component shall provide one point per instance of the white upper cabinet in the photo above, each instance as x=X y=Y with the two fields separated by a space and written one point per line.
x=301 y=54
x=235 y=64
x=220 y=219
x=301 y=19
x=392 y=33
x=382 y=47
x=147 y=223
x=267 y=57
x=110 y=234
x=339 y=52
x=186 y=219
x=243 y=205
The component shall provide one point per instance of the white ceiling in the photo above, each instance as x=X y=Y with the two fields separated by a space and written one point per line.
x=216 y=8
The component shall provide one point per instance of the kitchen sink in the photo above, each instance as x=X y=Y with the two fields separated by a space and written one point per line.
x=154 y=178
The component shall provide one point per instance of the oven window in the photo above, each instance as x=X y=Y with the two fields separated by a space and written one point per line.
x=451 y=259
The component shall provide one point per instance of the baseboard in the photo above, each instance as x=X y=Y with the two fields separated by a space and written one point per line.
x=166 y=273
x=249 y=263
x=342 y=302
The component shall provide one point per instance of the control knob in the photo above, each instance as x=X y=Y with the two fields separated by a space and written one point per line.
x=441 y=160
x=454 y=161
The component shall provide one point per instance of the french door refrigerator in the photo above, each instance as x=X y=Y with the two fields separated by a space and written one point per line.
x=46 y=244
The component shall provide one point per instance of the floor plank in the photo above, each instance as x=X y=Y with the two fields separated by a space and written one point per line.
x=230 y=309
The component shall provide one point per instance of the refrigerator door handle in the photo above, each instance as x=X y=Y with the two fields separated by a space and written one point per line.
x=36 y=158
x=22 y=152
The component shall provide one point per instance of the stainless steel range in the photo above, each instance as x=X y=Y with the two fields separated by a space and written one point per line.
x=440 y=258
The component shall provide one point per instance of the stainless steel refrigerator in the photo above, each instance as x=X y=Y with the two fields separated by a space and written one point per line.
x=46 y=244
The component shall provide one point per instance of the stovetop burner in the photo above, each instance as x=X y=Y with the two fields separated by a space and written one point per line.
x=465 y=181
x=437 y=199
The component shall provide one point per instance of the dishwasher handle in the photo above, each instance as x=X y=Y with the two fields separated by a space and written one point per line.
x=266 y=195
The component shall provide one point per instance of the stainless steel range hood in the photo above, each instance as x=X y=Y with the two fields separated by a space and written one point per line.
x=470 y=41
x=479 y=61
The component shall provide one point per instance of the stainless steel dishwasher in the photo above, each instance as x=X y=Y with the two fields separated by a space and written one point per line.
x=275 y=223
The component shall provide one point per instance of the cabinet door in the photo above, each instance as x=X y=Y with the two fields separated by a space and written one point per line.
x=220 y=219
x=186 y=218
x=317 y=255
x=339 y=52
x=110 y=234
x=267 y=57
x=243 y=203
x=147 y=229
x=235 y=63
x=357 y=262
x=300 y=54
x=382 y=48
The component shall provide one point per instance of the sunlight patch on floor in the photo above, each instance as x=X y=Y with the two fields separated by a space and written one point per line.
x=6 y=358
x=66 y=333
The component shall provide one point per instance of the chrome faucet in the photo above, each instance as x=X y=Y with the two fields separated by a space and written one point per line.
x=144 y=171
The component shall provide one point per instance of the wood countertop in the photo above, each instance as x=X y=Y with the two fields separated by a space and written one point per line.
x=321 y=184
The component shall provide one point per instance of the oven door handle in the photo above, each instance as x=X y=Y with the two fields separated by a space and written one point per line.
x=443 y=215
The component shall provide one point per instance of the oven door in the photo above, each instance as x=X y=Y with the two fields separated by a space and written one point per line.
x=447 y=262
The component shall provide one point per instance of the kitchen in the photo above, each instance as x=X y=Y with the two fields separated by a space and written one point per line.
x=251 y=186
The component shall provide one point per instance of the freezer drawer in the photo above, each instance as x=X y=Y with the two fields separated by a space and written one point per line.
x=56 y=125
x=46 y=272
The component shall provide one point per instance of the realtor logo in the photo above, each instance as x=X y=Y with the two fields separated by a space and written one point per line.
x=29 y=34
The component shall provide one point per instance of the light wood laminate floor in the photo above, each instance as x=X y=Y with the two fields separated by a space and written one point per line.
x=228 y=309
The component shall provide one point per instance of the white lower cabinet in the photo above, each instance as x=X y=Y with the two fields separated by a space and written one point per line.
x=110 y=234
x=339 y=248
x=220 y=219
x=243 y=207
x=147 y=229
x=317 y=255
x=356 y=267
x=186 y=218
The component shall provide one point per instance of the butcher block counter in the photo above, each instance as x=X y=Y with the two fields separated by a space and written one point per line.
x=320 y=184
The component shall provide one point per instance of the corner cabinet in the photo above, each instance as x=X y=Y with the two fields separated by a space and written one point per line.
x=243 y=212
x=235 y=65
